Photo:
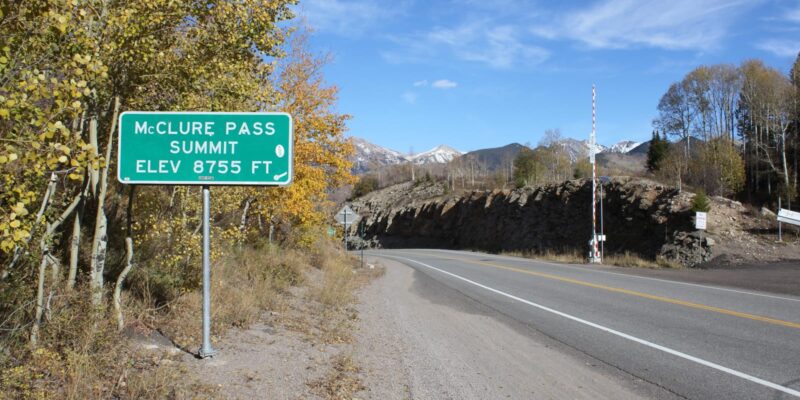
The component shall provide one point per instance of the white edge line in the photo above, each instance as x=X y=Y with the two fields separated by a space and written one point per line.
x=576 y=267
x=667 y=350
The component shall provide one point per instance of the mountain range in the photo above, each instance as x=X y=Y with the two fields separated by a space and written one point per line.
x=370 y=156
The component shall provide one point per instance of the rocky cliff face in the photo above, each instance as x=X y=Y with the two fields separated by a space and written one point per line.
x=640 y=217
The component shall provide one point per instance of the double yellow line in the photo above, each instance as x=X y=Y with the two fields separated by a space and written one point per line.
x=669 y=300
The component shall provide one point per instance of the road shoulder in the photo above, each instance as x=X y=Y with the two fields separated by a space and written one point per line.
x=419 y=339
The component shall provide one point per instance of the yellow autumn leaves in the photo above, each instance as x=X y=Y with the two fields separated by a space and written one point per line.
x=63 y=61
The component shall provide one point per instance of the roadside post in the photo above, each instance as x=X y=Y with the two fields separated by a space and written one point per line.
x=780 y=224
x=594 y=251
x=205 y=149
x=346 y=216
x=603 y=181
x=362 y=245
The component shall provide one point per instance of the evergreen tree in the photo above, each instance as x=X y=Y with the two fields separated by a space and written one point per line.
x=528 y=168
x=656 y=152
x=700 y=202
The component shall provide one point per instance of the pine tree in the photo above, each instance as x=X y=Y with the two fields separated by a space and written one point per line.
x=656 y=152
x=701 y=202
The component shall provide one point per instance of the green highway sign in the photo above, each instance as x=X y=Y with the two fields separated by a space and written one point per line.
x=205 y=148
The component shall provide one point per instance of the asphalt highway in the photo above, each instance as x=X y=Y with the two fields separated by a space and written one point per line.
x=690 y=340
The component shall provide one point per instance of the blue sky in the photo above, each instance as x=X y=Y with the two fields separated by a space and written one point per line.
x=484 y=73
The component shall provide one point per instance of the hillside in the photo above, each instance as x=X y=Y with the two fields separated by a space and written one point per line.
x=496 y=157
x=641 y=217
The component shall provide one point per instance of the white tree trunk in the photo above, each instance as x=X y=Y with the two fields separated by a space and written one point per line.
x=243 y=221
x=121 y=280
x=74 y=250
x=100 y=239
x=46 y=260
x=94 y=174
x=785 y=166
x=40 y=295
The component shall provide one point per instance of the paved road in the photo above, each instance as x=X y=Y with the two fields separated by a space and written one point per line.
x=693 y=341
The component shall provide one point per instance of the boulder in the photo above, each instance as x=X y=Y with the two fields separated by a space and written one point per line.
x=689 y=249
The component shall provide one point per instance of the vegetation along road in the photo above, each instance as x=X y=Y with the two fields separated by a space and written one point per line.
x=644 y=336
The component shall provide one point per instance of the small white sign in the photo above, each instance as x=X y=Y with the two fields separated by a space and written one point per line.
x=600 y=238
x=700 y=220
x=789 y=217
x=346 y=216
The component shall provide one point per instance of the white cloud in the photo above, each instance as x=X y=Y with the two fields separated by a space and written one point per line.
x=410 y=97
x=501 y=47
x=444 y=84
x=793 y=15
x=781 y=47
x=347 y=17
x=674 y=24
x=421 y=83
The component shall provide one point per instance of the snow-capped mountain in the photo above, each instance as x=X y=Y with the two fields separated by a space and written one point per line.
x=440 y=154
x=580 y=148
x=623 y=147
x=369 y=156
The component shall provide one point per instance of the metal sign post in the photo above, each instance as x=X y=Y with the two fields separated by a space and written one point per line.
x=362 y=246
x=342 y=218
x=206 y=350
x=205 y=148
x=780 y=223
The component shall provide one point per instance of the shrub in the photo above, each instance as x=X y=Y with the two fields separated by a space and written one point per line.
x=701 y=203
x=365 y=185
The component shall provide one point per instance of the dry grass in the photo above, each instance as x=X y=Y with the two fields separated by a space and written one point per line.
x=159 y=378
x=635 y=261
x=342 y=383
x=336 y=288
x=82 y=356
x=244 y=284
x=325 y=309
x=566 y=257
x=626 y=259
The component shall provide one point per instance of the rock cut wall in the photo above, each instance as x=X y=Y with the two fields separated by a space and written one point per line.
x=640 y=216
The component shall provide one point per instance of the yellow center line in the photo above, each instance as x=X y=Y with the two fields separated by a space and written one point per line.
x=669 y=300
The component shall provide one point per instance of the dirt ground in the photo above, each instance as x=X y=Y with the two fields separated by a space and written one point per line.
x=299 y=352
x=746 y=236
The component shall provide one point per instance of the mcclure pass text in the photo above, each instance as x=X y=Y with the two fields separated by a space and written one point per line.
x=205 y=148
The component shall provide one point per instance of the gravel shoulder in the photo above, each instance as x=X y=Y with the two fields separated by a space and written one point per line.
x=418 y=339
x=287 y=354
x=264 y=361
